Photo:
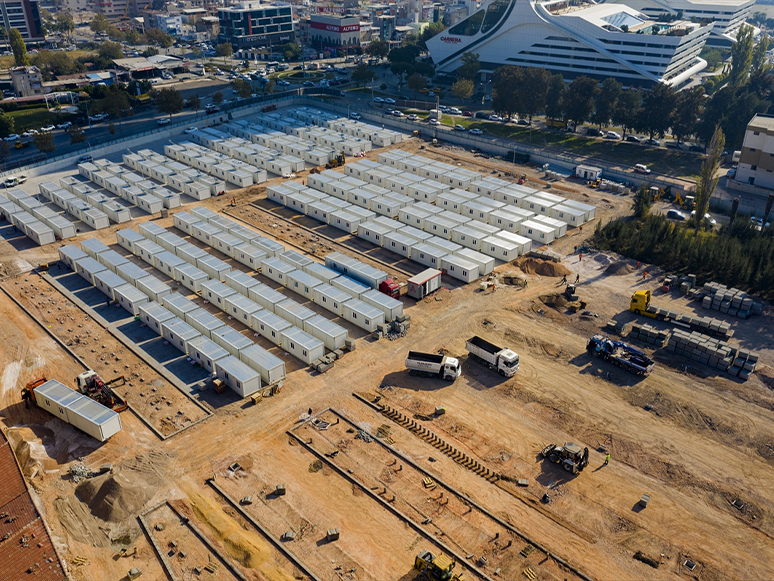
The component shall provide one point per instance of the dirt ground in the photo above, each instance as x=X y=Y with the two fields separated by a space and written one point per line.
x=705 y=440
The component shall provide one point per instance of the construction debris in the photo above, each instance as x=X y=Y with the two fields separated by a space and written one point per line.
x=361 y=435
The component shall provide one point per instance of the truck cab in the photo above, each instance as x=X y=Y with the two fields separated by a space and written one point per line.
x=639 y=303
x=451 y=368
x=508 y=363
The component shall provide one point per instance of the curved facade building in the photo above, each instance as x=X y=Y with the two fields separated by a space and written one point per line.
x=596 y=40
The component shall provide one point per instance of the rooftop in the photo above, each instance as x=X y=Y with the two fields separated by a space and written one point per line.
x=760 y=121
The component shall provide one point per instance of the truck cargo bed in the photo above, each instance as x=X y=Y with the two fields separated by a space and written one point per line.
x=428 y=357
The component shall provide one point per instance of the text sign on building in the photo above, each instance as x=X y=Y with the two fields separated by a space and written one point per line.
x=451 y=39
x=334 y=28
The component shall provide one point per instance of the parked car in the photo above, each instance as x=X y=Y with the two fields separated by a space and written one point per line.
x=758 y=223
x=211 y=108
x=28 y=134
x=696 y=147
x=87 y=158
x=163 y=121
x=389 y=101
x=675 y=145
x=634 y=138
x=376 y=99
x=15 y=181
x=311 y=84
x=412 y=117
x=707 y=218
x=523 y=121
x=434 y=122
x=730 y=173
x=48 y=128
x=495 y=118
x=389 y=111
x=191 y=129
x=676 y=215
x=397 y=113
x=612 y=135
x=641 y=168
x=593 y=132
x=653 y=142
x=12 y=137
x=476 y=132
x=467 y=114
x=459 y=128
x=355 y=115
x=66 y=125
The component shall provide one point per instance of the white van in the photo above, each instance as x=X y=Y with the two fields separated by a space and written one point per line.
x=640 y=168
x=612 y=135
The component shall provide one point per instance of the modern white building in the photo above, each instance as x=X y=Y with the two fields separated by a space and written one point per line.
x=596 y=40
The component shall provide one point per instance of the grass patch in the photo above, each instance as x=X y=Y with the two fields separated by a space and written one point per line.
x=25 y=119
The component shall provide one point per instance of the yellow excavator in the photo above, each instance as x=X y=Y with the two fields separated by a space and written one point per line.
x=685 y=203
x=337 y=161
x=436 y=568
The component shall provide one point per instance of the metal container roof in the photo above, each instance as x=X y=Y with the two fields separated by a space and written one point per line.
x=233 y=337
x=209 y=348
x=94 y=245
x=302 y=338
x=234 y=367
x=155 y=311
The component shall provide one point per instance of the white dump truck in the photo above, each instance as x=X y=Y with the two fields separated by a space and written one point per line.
x=500 y=359
x=433 y=365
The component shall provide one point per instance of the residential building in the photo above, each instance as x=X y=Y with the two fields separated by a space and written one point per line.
x=330 y=33
x=192 y=15
x=728 y=15
x=169 y=23
x=27 y=81
x=115 y=9
x=252 y=24
x=756 y=164
x=385 y=24
x=24 y=16
x=596 y=40
x=209 y=25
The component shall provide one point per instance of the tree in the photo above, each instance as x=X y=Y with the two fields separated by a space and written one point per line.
x=404 y=54
x=689 y=109
x=159 y=37
x=505 y=83
x=150 y=51
x=463 y=89
x=65 y=24
x=291 y=51
x=52 y=64
x=579 y=101
x=378 y=48
x=627 y=110
x=5 y=150
x=555 y=97
x=116 y=102
x=401 y=69
x=225 y=50
x=242 y=88
x=416 y=82
x=363 y=74
x=19 y=49
x=741 y=56
x=657 y=107
x=77 y=135
x=759 y=61
x=425 y=69
x=99 y=23
x=111 y=128
x=133 y=37
x=169 y=101
x=44 y=141
x=642 y=202
x=708 y=178
x=195 y=102
x=7 y=124
x=429 y=32
x=111 y=50
x=217 y=98
x=470 y=66
x=606 y=101
x=269 y=87
x=531 y=94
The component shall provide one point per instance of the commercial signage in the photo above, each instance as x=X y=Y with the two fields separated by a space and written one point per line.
x=335 y=28
x=451 y=39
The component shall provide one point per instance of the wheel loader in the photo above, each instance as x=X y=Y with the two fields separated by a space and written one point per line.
x=436 y=568
x=572 y=457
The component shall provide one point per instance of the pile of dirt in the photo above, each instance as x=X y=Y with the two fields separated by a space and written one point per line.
x=620 y=268
x=542 y=267
x=556 y=301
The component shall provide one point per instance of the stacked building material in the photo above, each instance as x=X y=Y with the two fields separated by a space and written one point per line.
x=650 y=335
x=545 y=255
x=719 y=297
x=713 y=352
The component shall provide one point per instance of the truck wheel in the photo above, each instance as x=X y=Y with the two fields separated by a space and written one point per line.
x=637 y=312
x=501 y=372
x=413 y=372
x=567 y=467
x=553 y=458
x=660 y=318
x=422 y=374
x=449 y=378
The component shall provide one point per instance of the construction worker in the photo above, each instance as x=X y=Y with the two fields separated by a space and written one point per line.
x=580 y=258
x=577 y=278
x=607 y=459
x=644 y=274
x=564 y=280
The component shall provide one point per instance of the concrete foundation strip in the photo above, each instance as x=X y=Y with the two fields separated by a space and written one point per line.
x=147 y=529
x=279 y=545
x=134 y=348
x=414 y=525
x=440 y=481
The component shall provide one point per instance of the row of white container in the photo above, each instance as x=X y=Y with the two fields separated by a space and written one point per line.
x=26 y=223
x=61 y=226
x=181 y=177
x=116 y=212
x=379 y=137
x=74 y=206
x=113 y=177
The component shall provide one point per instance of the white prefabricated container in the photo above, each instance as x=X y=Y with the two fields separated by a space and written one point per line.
x=276 y=269
x=167 y=262
x=39 y=233
x=184 y=221
x=454 y=217
x=107 y=281
x=560 y=228
x=392 y=308
x=190 y=277
x=345 y=220
x=573 y=217
x=130 y=298
x=131 y=272
x=399 y=243
x=270 y=326
x=238 y=376
x=153 y=288
x=468 y=237
x=78 y=410
x=589 y=210
x=427 y=254
x=293 y=312
x=151 y=230
x=513 y=193
x=231 y=340
x=70 y=254
x=248 y=255
x=146 y=250
x=206 y=352
x=179 y=333
x=269 y=246
x=477 y=211
x=214 y=267
x=87 y=267
x=225 y=243
x=553 y=198
x=320 y=211
x=191 y=253
x=459 y=268
x=300 y=202
x=270 y=367
x=441 y=227
x=361 y=198
x=216 y=292
x=413 y=216
x=170 y=242
x=352 y=287
x=363 y=315
x=366 y=274
x=501 y=248
x=204 y=232
x=92 y=247
x=536 y=204
x=416 y=233
x=302 y=345
x=331 y=298
x=540 y=233
x=450 y=201
x=241 y=282
x=387 y=222
x=294 y=259
x=485 y=263
x=504 y=220
x=320 y=272
x=332 y=335
x=265 y=296
x=178 y=305
x=241 y=308
x=302 y=283
x=153 y=315
x=386 y=206
x=204 y=322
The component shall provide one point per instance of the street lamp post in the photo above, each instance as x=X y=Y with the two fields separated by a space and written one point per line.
x=484 y=95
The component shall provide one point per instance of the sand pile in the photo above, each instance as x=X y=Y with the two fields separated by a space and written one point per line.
x=542 y=267
x=556 y=300
x=114 y=497
x=620 y=268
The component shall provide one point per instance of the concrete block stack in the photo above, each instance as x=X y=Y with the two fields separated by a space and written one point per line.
x=650 y=335
x=719 y=297
x=713 y=352
x=545 y=255
x=687 y=283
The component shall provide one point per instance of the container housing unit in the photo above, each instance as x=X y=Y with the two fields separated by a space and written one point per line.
x=204 y=322
x=231 y=340
x=331 y=298
x=237 y=375
x=332 y=335
x=70 y=254
x=206 y=352
x=302 y=345
x=179 y=333
x=270 y=326
x=270 y=367
x=363 y=315
x=153 y=315
x=130 y=298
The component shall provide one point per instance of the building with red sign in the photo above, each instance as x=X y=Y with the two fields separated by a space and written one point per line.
x=329 y=32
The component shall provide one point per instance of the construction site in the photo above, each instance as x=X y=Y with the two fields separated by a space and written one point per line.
x=337 y=371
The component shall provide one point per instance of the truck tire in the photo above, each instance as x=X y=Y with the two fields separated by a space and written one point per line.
x=413 y=372
x=553 y=457
x=422 y=374
x=449 y=378
x=501 y=372
x=637 y=312
x=567 y=467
